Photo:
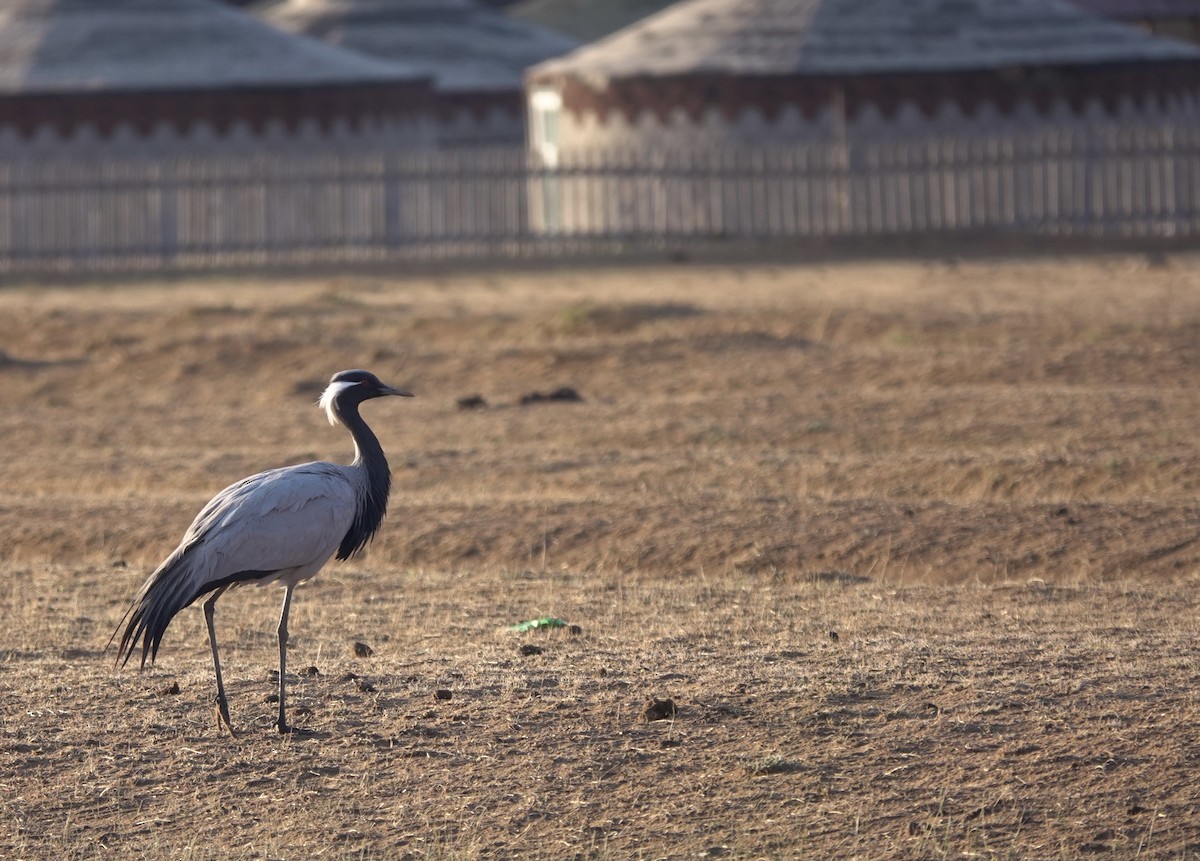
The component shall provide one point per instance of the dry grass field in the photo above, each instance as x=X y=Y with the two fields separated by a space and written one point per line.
x=913 y=548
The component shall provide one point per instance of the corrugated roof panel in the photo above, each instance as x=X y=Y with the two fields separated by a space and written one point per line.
x=827 y=37
x=70 y=45
x=1134 y=10
x=462 y=45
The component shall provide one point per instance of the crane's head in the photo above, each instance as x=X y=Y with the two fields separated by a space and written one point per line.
x=351 y=388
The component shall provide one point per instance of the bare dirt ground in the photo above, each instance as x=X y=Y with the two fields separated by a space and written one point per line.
x=912 y=548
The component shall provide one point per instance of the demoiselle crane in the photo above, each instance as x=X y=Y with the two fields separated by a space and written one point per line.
x=280 y=525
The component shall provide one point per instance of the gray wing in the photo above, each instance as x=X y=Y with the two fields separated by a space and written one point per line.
x=277 y=520
x=287 y=520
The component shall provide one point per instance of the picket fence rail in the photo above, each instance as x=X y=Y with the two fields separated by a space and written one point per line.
x=264 y=208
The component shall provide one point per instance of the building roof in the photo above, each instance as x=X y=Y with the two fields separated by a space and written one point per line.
x=69 y=46
x=1141 y=10
x=860 y=37
x=588 y=20
x=463 y=46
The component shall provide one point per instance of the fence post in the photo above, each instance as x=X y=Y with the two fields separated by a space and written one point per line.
x=393 y=219
x=842 y=160
x=168 y=210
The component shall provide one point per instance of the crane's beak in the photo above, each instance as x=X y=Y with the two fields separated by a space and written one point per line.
x=388 y=390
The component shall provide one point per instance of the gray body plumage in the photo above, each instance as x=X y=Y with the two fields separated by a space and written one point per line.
x=281 y=525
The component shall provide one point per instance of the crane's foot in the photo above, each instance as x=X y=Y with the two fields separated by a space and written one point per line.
x=284 y=727
x=223 y=717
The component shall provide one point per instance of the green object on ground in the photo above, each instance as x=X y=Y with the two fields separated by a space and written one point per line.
x=533 y=624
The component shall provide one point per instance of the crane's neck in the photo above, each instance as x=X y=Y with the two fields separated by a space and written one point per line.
x=372 y=478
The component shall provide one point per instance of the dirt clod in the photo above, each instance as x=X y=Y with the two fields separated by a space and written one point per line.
x=170 y=689
x=361 y=650
x=528 y=649
x=659 y=710
x=563 y=394
x=443 y=694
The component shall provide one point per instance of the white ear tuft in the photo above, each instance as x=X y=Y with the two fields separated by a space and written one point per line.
x=328 y=396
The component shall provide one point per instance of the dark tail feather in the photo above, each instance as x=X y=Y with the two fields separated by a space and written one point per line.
x=166 y=593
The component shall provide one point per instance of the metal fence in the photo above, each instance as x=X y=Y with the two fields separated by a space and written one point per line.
x=117 y=213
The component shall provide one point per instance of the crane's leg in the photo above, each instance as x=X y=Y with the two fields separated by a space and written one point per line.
x=281 y=724
x=222 y=703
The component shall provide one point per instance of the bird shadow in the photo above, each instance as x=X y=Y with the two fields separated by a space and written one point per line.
x=298 y=733
x=301 y=733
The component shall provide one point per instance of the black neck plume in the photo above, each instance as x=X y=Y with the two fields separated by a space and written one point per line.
x=375 y=486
